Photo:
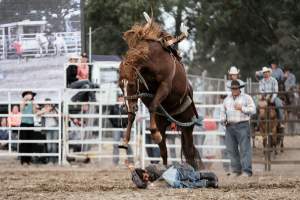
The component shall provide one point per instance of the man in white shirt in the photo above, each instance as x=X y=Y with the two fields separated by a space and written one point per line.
x=235 y=114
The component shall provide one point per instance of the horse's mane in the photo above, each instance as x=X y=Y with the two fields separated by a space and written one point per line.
x=138 y=48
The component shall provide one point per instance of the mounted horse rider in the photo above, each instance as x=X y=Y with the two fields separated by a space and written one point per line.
x=269 y=85
x=49 y=34
x=276 y=72
x=168 y=41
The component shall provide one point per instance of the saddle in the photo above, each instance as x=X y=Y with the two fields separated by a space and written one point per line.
x=168 y=43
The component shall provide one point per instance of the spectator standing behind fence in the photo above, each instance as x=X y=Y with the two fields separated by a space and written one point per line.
x=233 y=74
x=289 y=79
x=14 y=120
x=116 y=110
x=17 y=45
x=27 y=108
x=3 y=133
x=78 y=78
x=50 y=122
x=235 y=114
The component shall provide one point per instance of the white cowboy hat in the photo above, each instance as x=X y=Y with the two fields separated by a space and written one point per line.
x=233 y=70
x=266 y=69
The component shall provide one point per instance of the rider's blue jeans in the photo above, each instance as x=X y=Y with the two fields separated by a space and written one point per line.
x=278 y=105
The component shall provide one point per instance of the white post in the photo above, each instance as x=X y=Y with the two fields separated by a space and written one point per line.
x=143 y=136
x=9 y=130
x=59 y=131
x=90 y=44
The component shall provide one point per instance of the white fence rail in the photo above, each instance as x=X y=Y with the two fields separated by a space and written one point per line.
x=98 y=139
x=202 y=109
x=11 y=99
x=95 y=134
x=31 y=47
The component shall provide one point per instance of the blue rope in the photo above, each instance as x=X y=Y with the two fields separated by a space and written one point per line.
x=195 y=121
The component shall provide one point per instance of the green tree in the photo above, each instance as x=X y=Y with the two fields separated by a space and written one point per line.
x=109 y=19
x=54 y=11
x=246 y=33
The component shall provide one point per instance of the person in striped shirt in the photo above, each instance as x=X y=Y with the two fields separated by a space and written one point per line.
x=235 y=114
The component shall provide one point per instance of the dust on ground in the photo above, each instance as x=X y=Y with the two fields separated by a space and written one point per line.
x=89 y=182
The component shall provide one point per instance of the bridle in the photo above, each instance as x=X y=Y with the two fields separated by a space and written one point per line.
x=140 y=80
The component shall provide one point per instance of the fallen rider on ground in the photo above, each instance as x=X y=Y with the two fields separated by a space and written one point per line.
x=176 y=175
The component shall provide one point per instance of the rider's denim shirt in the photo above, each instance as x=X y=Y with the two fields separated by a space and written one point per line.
x=183 y=176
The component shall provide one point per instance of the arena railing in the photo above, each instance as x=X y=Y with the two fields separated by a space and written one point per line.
x=144 y=115
x=99 y=145
x=291 y=121
x=14 y=98
x=31 y=48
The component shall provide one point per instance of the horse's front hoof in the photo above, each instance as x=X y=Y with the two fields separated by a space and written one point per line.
x=156 y=137
x=123 y=145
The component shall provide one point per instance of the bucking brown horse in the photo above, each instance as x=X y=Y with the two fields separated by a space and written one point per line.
x=153 y=74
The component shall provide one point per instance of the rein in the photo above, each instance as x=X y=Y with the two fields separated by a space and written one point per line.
x=195 y=121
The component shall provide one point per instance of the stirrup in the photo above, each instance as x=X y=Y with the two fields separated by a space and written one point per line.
x=123 y=145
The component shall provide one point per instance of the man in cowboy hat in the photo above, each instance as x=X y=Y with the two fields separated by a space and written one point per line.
x=276 y=72
x=270 y=85
x=235 y=114
x=290 y=79
x=27 y=107
x=234 y=75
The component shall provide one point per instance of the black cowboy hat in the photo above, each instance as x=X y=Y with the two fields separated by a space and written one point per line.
x=28 y=92
x=236 y=85
x=137 y=178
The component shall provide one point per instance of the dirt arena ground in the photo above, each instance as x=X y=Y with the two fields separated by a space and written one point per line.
x=88 y=182
x=101 y=181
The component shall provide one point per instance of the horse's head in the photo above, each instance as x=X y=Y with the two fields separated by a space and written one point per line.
x=129 y=85
x=262 y=105
x=136 y=57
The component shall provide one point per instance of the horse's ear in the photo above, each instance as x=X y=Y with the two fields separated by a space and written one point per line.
x=129 y=37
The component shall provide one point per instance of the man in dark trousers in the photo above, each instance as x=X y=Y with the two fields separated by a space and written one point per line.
x=235 y=114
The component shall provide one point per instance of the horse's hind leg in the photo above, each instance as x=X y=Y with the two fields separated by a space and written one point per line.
x=162 y=124
x=190 y=152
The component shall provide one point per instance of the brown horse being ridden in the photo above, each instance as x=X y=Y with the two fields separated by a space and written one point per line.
x=148 y=68
x=268 y=117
